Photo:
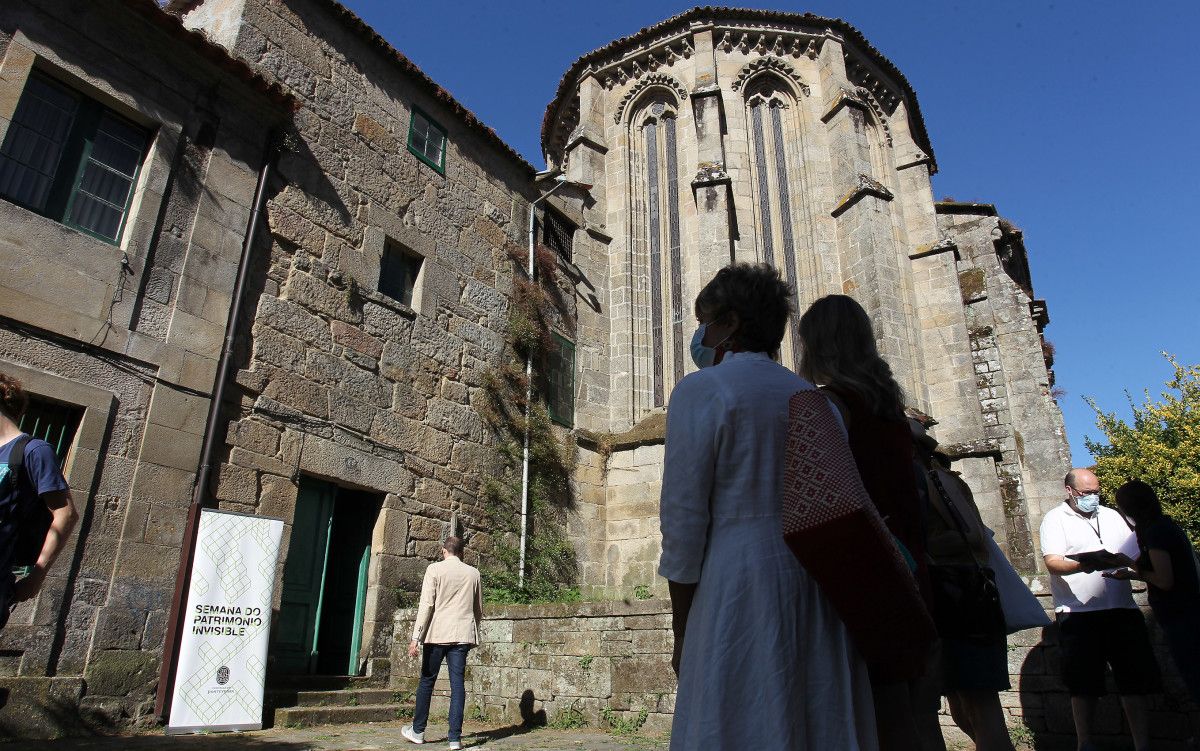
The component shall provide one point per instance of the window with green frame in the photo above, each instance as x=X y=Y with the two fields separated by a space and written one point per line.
x=54 y=422
x=560 y=381
x=427 y=140
x=71 y=159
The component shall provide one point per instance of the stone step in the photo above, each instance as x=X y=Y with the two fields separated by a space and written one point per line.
x=344 y=698
x=323 y=682
x=297 y=717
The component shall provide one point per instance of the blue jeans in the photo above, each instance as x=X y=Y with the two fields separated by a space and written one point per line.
x=432 y=655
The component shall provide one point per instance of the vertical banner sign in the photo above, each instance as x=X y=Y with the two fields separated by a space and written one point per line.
x=223 y=650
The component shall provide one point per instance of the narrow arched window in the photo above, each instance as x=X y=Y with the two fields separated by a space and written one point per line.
x=774 y=158
x=656 y=245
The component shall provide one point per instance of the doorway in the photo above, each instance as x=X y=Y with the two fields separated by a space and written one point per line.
x=325 y=580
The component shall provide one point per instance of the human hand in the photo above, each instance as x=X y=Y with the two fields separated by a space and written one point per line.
x=677 y=655
x=1118 y=573
x=413 y=649
x=28 y=587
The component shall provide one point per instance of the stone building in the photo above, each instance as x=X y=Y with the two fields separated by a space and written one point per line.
x=127 y=191
x=741 y=135
x=377 y=292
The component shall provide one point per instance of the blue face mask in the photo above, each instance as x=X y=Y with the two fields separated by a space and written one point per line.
x=704 y=357
x=1088 y=503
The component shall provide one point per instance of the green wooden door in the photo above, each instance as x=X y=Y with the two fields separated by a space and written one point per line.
x=344 y=598
x=298 y=630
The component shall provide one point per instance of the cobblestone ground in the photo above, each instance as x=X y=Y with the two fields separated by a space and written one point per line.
x=370 y=737
x=384 y=737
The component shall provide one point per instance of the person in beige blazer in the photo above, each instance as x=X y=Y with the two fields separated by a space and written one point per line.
x=448 y=626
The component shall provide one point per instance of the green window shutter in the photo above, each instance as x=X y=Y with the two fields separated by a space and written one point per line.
x=427 y=140
x=71 y=159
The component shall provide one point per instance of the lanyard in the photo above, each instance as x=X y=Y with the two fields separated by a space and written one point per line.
x=1095 y=528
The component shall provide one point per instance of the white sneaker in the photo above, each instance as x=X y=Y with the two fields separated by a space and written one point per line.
x=455 y=745
x=413 y=737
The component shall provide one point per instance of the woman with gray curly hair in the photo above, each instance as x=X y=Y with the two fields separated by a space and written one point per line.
x=763 y=658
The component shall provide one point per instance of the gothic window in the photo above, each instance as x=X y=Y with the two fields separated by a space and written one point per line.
x=771 y=114
x=654 y=173
x=560 y=381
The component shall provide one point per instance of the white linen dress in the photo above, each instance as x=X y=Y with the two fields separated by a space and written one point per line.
x=767 y=663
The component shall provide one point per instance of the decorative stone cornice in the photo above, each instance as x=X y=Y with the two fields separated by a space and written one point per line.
x=873 y=103
x=664 y=52
x=769 y=64
x=746 y=41
x=660 y=80
x=864 y=186
x=944 y=245
x=863 y=74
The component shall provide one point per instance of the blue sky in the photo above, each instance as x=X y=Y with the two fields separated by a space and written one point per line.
x=1078 y=120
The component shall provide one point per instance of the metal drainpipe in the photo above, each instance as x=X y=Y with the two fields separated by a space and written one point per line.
x=166 y=676
x=529 y=397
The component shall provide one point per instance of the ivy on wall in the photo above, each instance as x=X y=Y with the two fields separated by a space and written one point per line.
x=551 y=568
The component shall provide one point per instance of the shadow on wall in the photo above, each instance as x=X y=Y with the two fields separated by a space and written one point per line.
x=530 y=720
x=1046 y=705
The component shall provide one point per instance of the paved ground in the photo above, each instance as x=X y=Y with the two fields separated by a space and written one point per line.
x=372 y=737
x=379 y=737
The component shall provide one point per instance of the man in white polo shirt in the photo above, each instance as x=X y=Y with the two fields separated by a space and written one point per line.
x=1098 y=621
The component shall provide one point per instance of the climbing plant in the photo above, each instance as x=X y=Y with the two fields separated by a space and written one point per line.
x=551 y=569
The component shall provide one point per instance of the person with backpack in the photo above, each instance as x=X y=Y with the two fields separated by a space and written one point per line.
x=37 y=512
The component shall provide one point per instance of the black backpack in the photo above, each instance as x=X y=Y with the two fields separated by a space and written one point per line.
x=33 y=517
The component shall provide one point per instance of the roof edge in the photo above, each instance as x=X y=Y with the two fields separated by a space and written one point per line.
x=707 y=12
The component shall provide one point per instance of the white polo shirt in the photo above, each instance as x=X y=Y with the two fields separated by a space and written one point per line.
x=1065 y=531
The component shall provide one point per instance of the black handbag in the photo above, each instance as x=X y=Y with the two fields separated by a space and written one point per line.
x=966 y=600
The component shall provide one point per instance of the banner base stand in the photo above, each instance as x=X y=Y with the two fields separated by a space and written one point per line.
x=212 y=729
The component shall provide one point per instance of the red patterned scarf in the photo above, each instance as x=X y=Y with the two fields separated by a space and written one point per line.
x=836 y=533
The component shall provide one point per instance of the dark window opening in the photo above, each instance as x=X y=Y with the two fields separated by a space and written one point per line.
x=71 y=159
x=398 y=272
x=558 y=234
x=560 y=381
x=54 y=422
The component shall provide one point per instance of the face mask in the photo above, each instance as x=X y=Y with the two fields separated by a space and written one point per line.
x=703 y=356
x=1088 y=503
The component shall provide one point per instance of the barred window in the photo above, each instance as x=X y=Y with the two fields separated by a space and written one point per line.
x=558 y=234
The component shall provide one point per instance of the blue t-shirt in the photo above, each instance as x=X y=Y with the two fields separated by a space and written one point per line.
x=39 y=475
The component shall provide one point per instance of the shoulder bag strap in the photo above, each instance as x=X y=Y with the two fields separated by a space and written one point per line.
x=960 y=524
x=16 y=458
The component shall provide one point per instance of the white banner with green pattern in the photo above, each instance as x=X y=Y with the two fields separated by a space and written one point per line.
x=223 y=652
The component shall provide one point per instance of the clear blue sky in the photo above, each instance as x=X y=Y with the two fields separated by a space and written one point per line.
x=1079 y=120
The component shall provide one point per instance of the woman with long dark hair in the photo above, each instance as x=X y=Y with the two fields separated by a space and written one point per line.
x=1167 y=563
x=840 y=355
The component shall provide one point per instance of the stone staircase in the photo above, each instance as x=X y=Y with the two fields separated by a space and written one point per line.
x=305 y=701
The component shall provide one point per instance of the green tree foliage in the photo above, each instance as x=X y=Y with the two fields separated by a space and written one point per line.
x=1161 y=447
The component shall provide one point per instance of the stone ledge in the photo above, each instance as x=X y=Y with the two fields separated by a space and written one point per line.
x=651 y=431
x=864 y=186
x=945 y=245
